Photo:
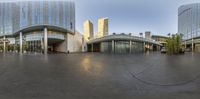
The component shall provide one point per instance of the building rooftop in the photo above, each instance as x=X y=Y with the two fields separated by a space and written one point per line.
x=122 y=37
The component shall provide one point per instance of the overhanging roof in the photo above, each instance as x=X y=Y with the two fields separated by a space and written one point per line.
x=41 y=28
x=122 y=37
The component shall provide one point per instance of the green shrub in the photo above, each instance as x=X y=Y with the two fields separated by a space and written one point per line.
x=174 y=44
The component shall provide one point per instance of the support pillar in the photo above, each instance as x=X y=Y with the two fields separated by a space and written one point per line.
x=4 y=44
x=159 y=48
x=45 y=41
x=130 y=44
x=42 y=44
x=192 y=45
x=92 y=49
x=101 y=47
x=113 y=46
x=20 y=43
x=185 y=45
x=144 y=46
x=151 y=47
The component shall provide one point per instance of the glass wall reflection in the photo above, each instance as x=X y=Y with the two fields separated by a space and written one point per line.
x=106 y=47
x=18 y=15
x=122 y=47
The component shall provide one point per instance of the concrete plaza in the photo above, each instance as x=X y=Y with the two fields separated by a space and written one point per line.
x=100 y=76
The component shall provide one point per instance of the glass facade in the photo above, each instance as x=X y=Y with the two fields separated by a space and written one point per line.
x=189 y=20
x=15 y=16
x=18 y=15
x=122 y=47
x=106 y=47
x=137 y=47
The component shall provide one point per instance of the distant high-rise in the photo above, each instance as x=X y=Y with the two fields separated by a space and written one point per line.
x=148 y=35
x=88 y=30
x=102 y=27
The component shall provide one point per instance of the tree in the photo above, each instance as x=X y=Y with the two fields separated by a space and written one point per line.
x=174 y=44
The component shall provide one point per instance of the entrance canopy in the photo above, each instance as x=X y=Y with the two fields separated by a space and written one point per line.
x=41 y=28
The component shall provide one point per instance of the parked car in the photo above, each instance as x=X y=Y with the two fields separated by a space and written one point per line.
x=163 y=50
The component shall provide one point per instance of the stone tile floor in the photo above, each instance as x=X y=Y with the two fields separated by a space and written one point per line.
x=100 y=76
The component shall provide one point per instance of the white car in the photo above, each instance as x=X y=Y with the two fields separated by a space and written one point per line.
x=163 y=50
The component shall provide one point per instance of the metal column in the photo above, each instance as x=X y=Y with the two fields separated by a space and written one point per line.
x=144 y=46
x=45 y=41
x=130 y=44
x=92 y=49
x=4 y=44
x=113 y=46
x=101 y=47
x=192 y=45
x=185 y=45
x=20 y=43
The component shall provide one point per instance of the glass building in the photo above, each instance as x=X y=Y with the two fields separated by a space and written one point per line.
x=27 y=21
x=189 y=25
x=15 y=16
x=189 y=21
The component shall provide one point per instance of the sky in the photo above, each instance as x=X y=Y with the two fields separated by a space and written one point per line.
x=131 y=16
